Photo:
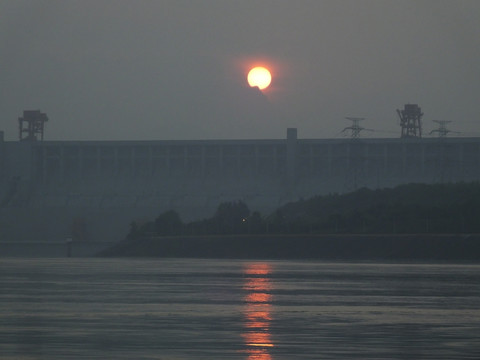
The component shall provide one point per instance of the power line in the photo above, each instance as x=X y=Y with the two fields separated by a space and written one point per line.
x=355 y=128
x=442 y=128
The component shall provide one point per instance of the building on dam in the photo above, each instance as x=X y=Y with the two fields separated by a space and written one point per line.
x=95 y=189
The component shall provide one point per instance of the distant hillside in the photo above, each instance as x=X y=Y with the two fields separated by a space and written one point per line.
x=413 y=208
x=406 y=209
x=409 y=222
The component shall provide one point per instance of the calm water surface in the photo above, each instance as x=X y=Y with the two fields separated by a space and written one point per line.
x=253 y=310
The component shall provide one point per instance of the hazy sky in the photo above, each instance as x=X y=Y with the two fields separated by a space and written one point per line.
x=129 y=70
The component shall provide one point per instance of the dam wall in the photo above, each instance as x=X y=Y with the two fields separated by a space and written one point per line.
x=93 y=190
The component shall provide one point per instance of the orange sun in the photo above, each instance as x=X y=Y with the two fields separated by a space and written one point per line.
x=260 y=77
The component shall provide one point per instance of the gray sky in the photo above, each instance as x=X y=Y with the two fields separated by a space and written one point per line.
x=132 y=70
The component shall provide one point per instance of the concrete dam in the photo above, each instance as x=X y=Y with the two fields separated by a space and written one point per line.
x=93 y=190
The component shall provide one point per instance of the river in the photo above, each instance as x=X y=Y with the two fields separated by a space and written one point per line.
x=90 y=308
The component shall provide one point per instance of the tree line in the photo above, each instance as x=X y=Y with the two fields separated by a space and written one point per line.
x=412 y=208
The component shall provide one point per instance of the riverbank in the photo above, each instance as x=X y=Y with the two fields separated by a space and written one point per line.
x=51 y=249
x=401 y=247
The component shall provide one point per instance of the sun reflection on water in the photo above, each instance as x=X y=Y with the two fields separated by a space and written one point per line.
x=257 y=315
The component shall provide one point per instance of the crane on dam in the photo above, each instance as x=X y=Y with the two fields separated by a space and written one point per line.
x=31 y=125
x=411 y=121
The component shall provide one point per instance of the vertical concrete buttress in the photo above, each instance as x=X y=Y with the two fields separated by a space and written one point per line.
x=291 y=155
x=2 y=156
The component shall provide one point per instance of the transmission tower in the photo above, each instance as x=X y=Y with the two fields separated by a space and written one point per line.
x=355 y=127
x=411 y=120
x=355 y=158
x=442 y=128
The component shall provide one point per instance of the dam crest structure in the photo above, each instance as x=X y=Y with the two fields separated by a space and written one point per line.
x=93 y=190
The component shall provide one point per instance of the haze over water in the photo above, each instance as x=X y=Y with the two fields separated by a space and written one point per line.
x=216 y=309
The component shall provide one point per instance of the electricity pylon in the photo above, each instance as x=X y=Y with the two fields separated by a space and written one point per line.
x=355 y=127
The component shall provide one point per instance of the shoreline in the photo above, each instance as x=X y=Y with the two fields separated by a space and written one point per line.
x=390 y=247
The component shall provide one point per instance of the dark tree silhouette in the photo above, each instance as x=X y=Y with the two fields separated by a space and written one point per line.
x=168 y=223
x=231 y=217
x=413 y=208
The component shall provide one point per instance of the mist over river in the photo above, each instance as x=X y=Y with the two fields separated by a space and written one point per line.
x=84 y=308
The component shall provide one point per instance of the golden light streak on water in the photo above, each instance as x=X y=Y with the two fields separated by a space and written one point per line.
x=257 y=314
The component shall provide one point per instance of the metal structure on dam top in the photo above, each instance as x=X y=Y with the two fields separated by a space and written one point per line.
x=411 y=121
x=31 y=125
x=102 y=186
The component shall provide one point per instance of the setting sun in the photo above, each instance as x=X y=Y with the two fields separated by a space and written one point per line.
x=260 y=77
